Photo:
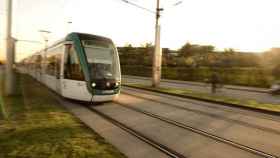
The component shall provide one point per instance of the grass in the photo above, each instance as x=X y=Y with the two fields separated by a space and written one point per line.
x=9 y=105
x=3 y=114
x=246 y=76
x=38 y=127
x=188 y=93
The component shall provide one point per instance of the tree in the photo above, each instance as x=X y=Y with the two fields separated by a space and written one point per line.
x=189 y=50
x=208 y=48
x=272 y=57
x=276 y=71
x=229 y=50
x=128 y=45
x=185 y=50
x=147 y=45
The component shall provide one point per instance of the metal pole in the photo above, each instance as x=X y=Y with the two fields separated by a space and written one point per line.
x=46 y=44
x=157 y=51
x=45 y=37
x=69 y=27
x=10 y=88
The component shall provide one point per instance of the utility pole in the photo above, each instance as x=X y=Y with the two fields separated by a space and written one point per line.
x=157 y=56
x=45 y=34
x=10 y=86
x=69 y=26
x=157 y=51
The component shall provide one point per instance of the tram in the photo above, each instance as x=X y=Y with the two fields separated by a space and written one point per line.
x=81 y=66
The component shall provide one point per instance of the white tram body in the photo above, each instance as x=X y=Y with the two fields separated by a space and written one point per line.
x=81 y=67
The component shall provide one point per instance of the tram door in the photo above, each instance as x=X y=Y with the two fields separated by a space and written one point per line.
x=73 y=84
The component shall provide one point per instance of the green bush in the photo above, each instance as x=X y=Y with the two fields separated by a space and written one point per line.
x=256 y=77
x=276 y=71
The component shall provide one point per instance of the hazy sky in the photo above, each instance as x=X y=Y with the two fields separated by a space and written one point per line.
x=248 y=25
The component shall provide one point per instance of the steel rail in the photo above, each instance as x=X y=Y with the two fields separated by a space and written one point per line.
x=166 y=150
x=207 y=114
x=201 y=132
x=231 y=105
x=209 y=104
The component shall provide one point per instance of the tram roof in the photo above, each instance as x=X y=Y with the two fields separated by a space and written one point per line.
x=83 y=36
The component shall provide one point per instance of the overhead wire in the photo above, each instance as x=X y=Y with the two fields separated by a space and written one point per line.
x=138 y=6
x=179 y=2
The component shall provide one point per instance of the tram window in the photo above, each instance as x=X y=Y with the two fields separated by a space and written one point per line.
x=58 y=53
x=38 y=61
x=57 y=65
x=72 y=66
x=33 y=63
x=51 y=60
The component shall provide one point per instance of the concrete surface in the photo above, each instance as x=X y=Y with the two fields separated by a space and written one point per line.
x=129 y=145
x=185 y=142
x=256 y=132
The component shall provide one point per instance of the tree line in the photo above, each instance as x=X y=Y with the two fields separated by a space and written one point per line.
x=195 y=56
x=194 y=62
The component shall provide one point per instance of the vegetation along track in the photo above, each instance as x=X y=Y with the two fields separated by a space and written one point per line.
x=246 y=124
x=169 y=152
x=208 y=104
x=200 y=132
x=199 y=85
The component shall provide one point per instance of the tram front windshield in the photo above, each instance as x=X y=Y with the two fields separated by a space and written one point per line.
x=102 y=59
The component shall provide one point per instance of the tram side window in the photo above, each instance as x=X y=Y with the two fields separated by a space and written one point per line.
x=58 y=52
x=38 y=61
x=72 y=66
x=58 y=61
x=50 y=69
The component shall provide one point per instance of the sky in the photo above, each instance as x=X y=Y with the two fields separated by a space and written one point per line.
x=246 y=25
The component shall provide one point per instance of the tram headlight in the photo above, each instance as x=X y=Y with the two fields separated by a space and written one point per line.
x=117 y=84
x=93 y=84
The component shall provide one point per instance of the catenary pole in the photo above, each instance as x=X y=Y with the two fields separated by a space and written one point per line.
x=10 y=87
x=157 y=56
x=156 y=76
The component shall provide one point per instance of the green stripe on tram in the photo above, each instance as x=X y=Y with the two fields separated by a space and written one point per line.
x=82 y=58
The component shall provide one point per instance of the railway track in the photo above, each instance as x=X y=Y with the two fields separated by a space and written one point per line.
x=161 y=147
x=200 y=132
x=225 y=108
x=207 y=114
